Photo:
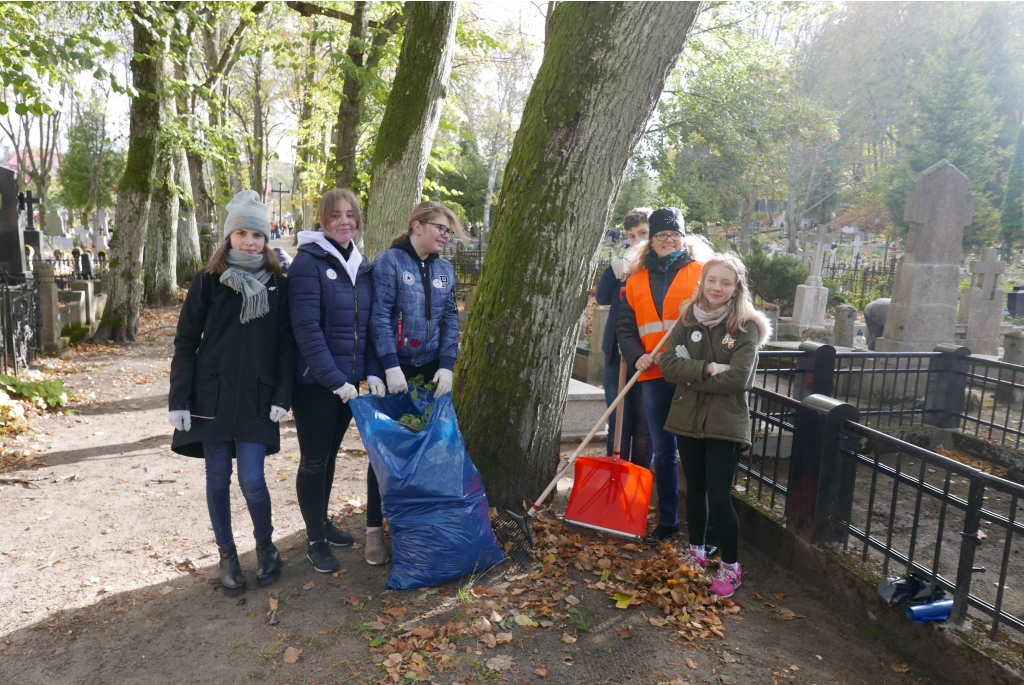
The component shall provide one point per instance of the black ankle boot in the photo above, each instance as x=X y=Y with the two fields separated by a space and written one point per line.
x=232 y=582
x=269 y=562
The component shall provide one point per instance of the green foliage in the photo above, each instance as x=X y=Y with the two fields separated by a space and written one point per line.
x=48 y=392
x=91 y=166
x=1011 y=218
x=637 y=191
x=417 y=422
x=75 y=332
x=774 y=280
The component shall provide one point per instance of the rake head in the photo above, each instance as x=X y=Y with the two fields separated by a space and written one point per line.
x=515 y=537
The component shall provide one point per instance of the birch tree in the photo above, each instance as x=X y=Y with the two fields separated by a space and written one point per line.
x=588 y=107
x=410 y=120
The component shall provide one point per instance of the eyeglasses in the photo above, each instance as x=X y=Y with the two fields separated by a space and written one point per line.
x=441 y=228
x=667 y=236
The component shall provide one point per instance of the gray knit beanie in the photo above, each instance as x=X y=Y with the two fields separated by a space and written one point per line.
x=246 y=211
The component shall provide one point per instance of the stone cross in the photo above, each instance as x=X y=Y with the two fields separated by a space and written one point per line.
x=856 y=245
x=983 y=302
x=924 y=296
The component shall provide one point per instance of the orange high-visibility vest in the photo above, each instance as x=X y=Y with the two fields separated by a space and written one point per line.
x=651 y=326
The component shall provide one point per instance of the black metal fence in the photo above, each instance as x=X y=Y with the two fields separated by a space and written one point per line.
x=467 y=262
x=886 y=503
x=21 y=323
x=67 y=269
x=861 y=281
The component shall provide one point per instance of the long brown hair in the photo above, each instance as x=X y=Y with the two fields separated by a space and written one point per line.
x=426 y=211
x=742 y=306
x=331 y=199
x=218 y=263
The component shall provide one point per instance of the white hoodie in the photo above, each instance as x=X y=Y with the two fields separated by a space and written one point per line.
x=318 y=238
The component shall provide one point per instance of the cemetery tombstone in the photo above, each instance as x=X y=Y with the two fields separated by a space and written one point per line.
x=12 y=242
x=924 y=295
x=812 y=296
x=845 y=327
x=983 y=302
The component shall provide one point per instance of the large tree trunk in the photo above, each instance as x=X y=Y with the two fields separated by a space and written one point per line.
x=190 y=259
x=791 y=181
x=160 y=271
x=747 y=207
x=124 y=304
x=410 y=120
x=588 y=107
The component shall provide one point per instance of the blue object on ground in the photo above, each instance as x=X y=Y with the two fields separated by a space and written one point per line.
x=933 y=611
x=432 y=494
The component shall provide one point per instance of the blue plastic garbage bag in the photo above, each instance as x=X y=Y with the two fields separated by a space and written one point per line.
x=432 y=494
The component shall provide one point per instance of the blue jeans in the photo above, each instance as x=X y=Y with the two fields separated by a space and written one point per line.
x=657 y=402
x=250 y=457
x=636 y=439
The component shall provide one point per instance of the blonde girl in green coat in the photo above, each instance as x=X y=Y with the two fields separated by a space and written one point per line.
x=712 y=358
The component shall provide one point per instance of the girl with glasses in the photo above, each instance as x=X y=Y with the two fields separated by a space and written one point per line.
x=415 y=321
x=662 y=276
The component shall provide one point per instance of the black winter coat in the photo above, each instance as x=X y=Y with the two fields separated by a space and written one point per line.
x=229 y=374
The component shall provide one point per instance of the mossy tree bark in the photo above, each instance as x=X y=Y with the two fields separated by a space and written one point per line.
x=159 y=265
x=134 y=191
x=190 y=259
x=410 y=120
x=588 y=107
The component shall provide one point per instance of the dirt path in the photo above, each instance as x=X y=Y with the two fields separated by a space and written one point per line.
x=105 y=572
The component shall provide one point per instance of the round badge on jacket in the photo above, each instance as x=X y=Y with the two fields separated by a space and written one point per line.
x=408 y=278
x=438 y=283
x=332 y=274
x=697 y=336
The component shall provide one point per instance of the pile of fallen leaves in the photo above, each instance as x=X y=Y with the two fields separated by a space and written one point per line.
x=515 y=605
x=159 y=322
x=982 y=466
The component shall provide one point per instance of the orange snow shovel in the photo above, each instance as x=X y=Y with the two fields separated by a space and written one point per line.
x=513 y=530
x=608 y=494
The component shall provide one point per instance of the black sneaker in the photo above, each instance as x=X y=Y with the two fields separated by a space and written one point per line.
x=337 y=537
x=660 y=534
x=319 y=554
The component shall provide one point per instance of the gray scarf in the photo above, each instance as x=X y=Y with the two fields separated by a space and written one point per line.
x=247 y=275
x=712 y=318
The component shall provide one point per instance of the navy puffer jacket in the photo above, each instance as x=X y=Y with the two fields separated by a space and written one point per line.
x=330 y=312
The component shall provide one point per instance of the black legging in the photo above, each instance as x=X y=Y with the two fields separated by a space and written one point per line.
x=708 y=465
x=321 y=420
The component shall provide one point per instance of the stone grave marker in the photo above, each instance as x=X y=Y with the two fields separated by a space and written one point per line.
x=812 y=296
x=924 y=294
x=12 y=241
x=1013 y=353
x=845 y=326
x=983 y=302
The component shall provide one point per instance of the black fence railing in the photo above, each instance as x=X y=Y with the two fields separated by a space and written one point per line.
x=886 y=503
x=467 y=262
x=889 y=388
x=861 y=281
x=992 y=405
x=20 y=322
x=933 y=516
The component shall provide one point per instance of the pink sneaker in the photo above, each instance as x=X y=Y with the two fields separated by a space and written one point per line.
x=726 y=581
x=696 y=561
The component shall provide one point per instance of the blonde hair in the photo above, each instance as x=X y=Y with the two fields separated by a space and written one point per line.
x=742 y=306
x=699 y=247
x=427 y=211
x=331 y=199
x=218 y=263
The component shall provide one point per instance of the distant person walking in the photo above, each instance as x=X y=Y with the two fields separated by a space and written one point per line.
x=231 y=379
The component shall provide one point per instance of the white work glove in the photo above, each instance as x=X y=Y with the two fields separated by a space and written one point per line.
x=347 y=392
x=718 y=368
x=277 y=413
x=619 y=268
x=376 y=386
x=181 y=419
x=682 y=352
x=396 y=381
x=443 y=378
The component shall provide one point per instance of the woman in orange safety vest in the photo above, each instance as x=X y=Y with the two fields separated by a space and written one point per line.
x=664 y=276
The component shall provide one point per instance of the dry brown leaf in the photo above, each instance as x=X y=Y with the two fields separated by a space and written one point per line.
x=396 y=611
x=310 y=585
x=757 y=596
x=503 y=638
x=659 y=622
x=780 y=596
x=900 y=668
x=691 y=664
x=340 y=574
x=540 y=672
x=502 y=662
x=625 y=633
x=291 y=655
x=568 y=639
x=786 y=614
x=571 y=600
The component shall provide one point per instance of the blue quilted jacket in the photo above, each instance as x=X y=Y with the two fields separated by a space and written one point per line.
x=422 y=293
x=330 y=315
